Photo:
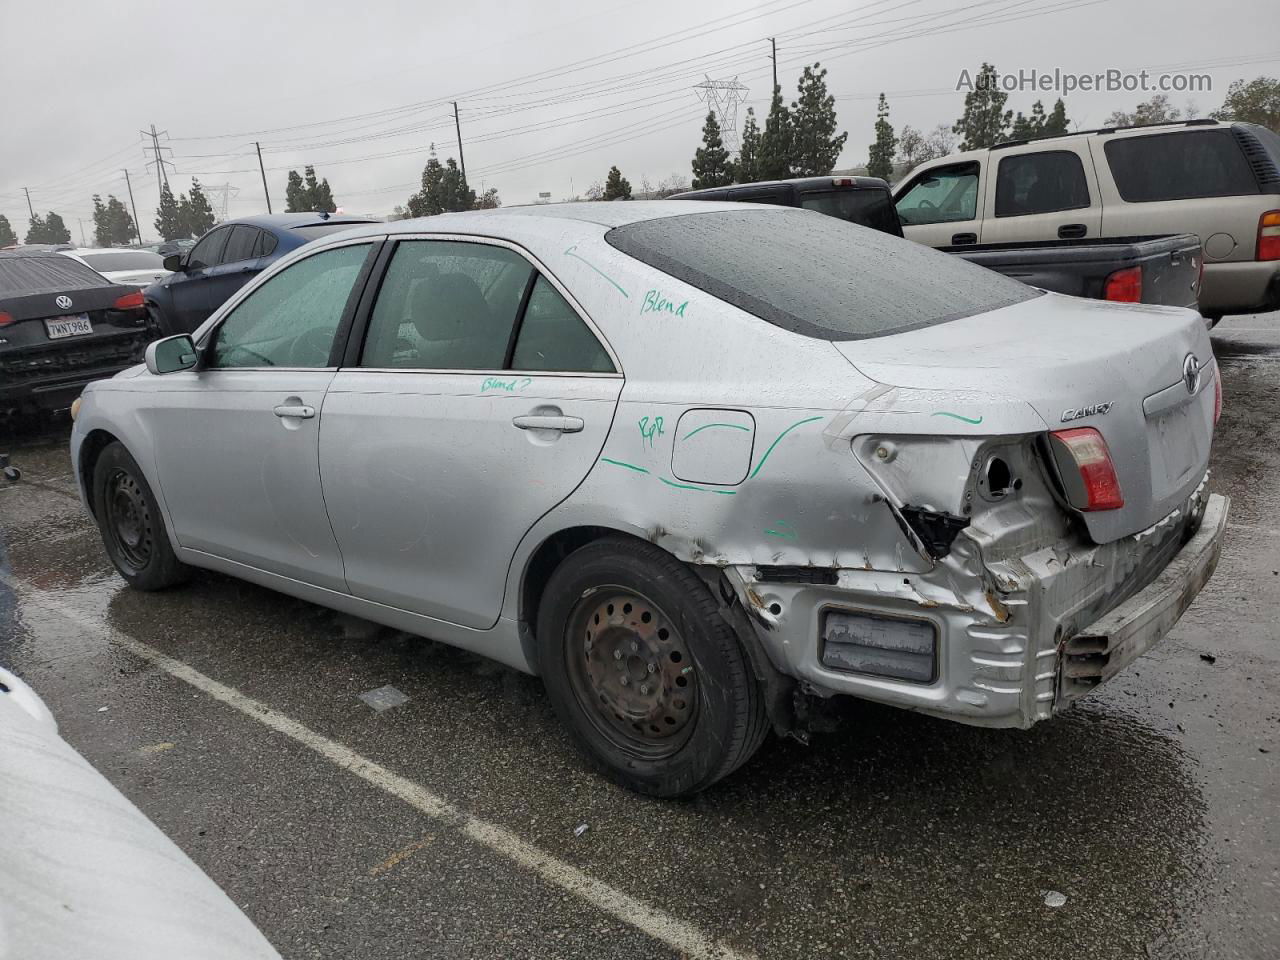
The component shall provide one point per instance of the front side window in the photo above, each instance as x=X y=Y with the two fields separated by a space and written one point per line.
x=445 y=305
x=291 y=320
x=553 y=337
x=1179 y=166
x=943 y=195
x=208 y=252
x=1040 y=183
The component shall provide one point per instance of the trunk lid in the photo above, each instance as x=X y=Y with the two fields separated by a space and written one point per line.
x=1078 y=363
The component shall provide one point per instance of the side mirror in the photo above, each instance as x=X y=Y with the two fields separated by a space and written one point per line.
x=173 y=262
x=171 y=354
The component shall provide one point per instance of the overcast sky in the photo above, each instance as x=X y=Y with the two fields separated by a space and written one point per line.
x=549 y=95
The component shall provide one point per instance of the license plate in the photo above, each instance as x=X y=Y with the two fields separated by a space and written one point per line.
x=60 y=327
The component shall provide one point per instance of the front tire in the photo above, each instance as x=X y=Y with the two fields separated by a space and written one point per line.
x=651 y=682
x=131 y=524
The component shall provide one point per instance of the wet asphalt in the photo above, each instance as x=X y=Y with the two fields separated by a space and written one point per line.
x=1152 y=805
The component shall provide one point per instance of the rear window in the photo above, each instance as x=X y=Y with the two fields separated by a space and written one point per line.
x=816 y=275
x=123 y=260
x=867 y=208
x=22 y=275
x=1179 y=166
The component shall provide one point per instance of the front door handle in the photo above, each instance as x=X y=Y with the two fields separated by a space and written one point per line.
x=562 y=424
x=294 y=411
x=957 y=239
x=1072 y=231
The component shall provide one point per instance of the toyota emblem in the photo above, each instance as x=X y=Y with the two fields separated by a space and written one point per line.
x=63 y=302
x=1191 y=373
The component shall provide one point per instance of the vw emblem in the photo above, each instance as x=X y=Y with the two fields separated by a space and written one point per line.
x=63 y=302
x=1191 y=373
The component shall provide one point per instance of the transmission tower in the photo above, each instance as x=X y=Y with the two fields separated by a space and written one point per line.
x=219 y=195
x=723 y=97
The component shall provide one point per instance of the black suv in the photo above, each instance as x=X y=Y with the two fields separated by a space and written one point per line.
x=865 y=201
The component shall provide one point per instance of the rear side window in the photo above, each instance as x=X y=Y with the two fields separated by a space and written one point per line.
x=24 y=274
x=1179 y=166
x=240 y=246
x=943 y=195
x=867 y=208
x=446 y=305
x=264 y=245
x=553 y=337
x=815 y=275
x=1040 y=183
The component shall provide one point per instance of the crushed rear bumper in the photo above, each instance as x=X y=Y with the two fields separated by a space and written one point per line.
x=1116 y=639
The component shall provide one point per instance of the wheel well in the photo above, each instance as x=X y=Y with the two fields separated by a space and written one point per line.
x=549 y=555
x=90 y=450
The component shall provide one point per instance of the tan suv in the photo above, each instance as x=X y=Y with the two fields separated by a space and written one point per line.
x=1220 y=181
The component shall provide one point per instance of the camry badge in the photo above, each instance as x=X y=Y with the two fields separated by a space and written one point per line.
x=63 y=302
x=1191 y=373
x=1092 y=409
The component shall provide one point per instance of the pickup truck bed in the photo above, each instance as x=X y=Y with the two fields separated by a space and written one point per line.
x=1169 y=266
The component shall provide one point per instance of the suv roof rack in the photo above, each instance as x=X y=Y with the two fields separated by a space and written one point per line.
x=1201 y=122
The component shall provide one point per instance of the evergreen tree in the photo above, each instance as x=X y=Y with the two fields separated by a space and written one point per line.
x=616 y=186
x=1028 y=128
x=101 y=223
x=747 y=168
x=36 y=229
x=112 y=225
x=169 y=217
x=1056 y=124
x=814 y=145
x=295 y=195
x=774 y=159
x=885 y=146
x=197 y=214
x=319 y=196
x=985 y=121
x=711 y=164
x=426 y=202
x=455 y=195
x=55 y=229
x=7 y=237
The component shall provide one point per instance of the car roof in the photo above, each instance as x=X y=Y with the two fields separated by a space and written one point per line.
x=859 y=182
x=520 y=219
x=80 y=251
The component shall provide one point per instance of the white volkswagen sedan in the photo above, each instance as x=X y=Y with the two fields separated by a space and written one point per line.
x=690 y=462
x=135 y=268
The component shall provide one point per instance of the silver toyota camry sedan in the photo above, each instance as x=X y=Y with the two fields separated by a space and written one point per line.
x=694 y=464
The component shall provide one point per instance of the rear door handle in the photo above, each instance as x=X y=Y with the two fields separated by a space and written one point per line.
x=295 y=411
x=1072 y=231
x=959 y=239
x=562 y=424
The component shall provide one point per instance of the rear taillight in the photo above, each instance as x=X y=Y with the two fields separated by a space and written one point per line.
x=1269 y=236
x=1124 y=286
x=5 y=319
x=130 y=301
x=1217 y=394
x=1086 y=468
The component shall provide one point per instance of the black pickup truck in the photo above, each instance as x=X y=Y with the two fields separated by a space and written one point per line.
x=62 y=324
x=1161 y=270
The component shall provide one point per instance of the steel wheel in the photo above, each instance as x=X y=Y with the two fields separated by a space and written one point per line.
x=129 y=519
x=631 y=672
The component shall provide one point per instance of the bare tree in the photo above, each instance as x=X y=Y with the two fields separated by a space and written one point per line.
x=940 y=142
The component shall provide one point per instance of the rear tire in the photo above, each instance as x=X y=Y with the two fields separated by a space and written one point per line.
x=158 y=322
x=131 y=523
x=651 y=682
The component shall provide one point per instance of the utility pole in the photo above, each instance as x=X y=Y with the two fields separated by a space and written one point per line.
x=458 y=128
x=29 y=207
x=773 y=46
x=263 y=171
x=137 y=224
x=162 y=175
x=83 y=241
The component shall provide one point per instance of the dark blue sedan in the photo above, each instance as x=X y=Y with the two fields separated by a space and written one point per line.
x=228 y=257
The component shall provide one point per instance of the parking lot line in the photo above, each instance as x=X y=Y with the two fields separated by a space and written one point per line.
x=680 y=936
